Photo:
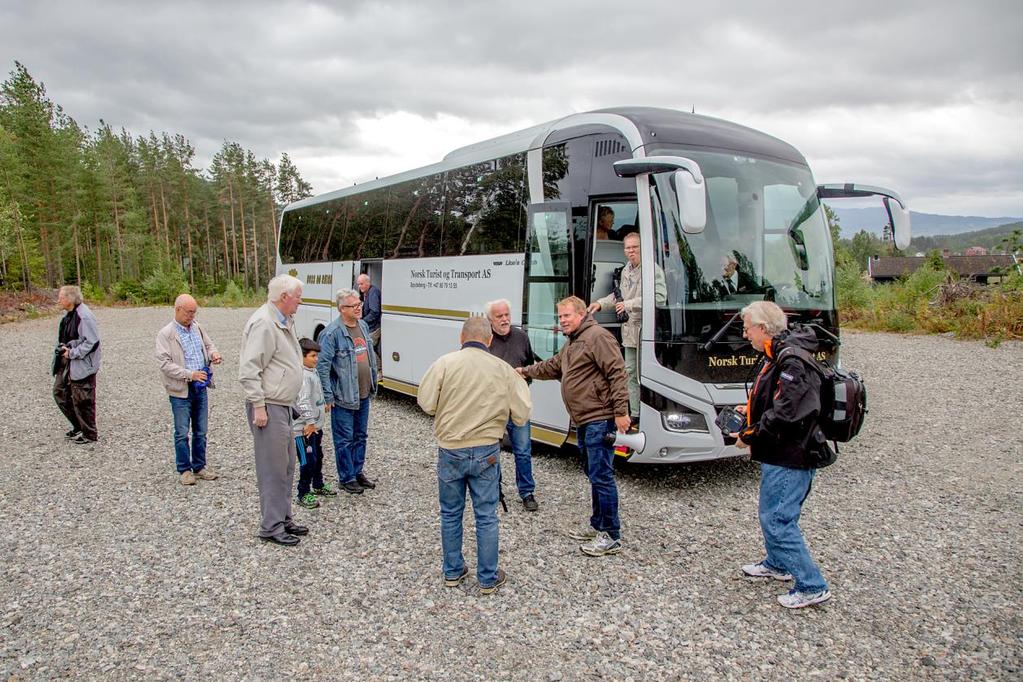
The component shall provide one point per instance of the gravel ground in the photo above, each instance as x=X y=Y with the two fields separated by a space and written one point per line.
x=112 y=569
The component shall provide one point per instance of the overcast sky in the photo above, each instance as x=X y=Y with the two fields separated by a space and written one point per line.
x=924 y=97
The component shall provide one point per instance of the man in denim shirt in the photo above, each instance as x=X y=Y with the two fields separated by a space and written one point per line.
x=473 y=395
x=348 y=372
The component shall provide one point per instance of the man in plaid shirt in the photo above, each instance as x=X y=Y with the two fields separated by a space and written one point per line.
x=185 y=353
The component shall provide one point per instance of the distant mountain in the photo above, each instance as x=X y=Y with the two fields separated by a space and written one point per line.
x=873 y=219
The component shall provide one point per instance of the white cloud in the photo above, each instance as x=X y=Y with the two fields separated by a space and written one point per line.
x=925 y=97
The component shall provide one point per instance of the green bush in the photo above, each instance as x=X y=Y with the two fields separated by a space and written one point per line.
x=164 y=285
x=128 y=290
x=233 y=296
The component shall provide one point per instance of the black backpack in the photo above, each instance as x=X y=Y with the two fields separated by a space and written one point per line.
x=843 y=397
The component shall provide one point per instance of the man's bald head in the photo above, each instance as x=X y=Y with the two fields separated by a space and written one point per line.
x=185 y=308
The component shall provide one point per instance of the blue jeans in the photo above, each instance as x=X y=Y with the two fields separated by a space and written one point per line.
x=348 y=427
x=479 y=469
x=600 y=470
x=782 y=493
x=310 y=461
x=521 y=446
x=190 y=411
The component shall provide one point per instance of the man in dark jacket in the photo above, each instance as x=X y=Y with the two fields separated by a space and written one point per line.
x=595 y=390
x=76 y=362
x=371 y=312
x=511 y=344
x=782 y=434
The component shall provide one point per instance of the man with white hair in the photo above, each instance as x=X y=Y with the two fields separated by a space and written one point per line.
x=347 y=366
x=75 y=364
x=511 y=344
x=270 y=371
x=782 y=434
x=184 y=352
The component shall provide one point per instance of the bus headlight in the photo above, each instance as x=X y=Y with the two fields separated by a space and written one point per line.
x=680 y=420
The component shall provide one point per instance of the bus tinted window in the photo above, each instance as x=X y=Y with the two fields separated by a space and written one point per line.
x=486 y=208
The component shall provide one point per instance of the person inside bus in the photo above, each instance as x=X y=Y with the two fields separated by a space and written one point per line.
x=605 y=223
x=632 y=303
x=733 y=279
x=371 y=309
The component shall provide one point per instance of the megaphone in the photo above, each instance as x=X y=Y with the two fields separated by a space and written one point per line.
x=635 y=441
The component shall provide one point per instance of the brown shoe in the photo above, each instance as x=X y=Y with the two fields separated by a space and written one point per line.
x=187 y=478
x=207 y=474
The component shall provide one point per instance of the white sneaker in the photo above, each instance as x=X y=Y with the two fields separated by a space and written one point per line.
x=602 y=544
x=797 y=600
x=583 y=533
x=758 y=570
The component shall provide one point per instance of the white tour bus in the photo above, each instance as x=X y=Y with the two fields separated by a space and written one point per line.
x=515 y=217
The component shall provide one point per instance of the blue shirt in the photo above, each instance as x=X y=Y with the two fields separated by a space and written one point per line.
x=191 y=343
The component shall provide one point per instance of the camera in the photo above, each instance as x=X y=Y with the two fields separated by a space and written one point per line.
x=730 y=421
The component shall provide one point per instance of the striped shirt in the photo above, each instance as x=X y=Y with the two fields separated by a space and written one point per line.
x=191 y=343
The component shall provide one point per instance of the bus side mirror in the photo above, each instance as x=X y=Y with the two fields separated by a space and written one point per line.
x=690 y=187
x=898 y=218
x=692 y=201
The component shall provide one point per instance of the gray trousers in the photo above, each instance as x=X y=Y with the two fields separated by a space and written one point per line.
x=632 y=371
x=275 y=467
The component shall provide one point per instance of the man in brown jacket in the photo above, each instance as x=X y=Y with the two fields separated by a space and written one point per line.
x=595 y=390
x=184 y=353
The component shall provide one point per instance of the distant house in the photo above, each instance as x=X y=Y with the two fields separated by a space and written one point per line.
x=975 y=251
x=977 y=268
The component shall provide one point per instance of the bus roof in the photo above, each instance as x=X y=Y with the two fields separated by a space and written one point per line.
x=642 y=126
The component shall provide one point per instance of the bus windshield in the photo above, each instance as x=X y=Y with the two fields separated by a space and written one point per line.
x=765 y=238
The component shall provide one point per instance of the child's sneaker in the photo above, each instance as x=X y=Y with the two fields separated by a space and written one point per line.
x=309 y=501
x=325 y=491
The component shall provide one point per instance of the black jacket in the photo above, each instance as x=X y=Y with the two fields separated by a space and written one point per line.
x=784 y=403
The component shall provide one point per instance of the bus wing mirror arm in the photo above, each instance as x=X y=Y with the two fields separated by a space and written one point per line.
x=898 y=211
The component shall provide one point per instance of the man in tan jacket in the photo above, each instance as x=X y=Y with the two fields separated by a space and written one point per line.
x=184 y=353
x=472 y=395
x=270 y=372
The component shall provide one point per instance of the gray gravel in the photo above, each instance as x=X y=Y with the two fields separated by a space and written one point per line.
x=112 y=569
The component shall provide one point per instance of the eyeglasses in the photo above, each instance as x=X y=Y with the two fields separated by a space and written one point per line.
x=745 y=330
x=354 y=305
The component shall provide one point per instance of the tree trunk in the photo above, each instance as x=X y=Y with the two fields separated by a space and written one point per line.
x=25 y=275
x=117 y=236
x=166 y=224
x=245 y=238
x=209 y=246
x=271 y=259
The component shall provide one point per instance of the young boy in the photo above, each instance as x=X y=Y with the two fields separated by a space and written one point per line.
x=307 y=428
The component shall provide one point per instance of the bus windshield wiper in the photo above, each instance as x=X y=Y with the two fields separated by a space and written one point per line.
x=831 y=337
x=721 y=332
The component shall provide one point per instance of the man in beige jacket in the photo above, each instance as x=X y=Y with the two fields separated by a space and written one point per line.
x=270 y=372
x=472 y=394
x=184 y=353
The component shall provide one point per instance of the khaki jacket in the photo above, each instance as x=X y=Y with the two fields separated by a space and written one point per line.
x=270 y=366
x=472 y=394
x=592 y=373
x=632 y=296
x=170 y=356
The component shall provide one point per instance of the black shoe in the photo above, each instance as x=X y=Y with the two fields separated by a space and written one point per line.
x=71 y=434
x=365 y=482
x=282 y=538
x=80 y=439
x=296 y=529
x=353 y=487
x=529 y=502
